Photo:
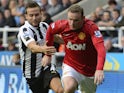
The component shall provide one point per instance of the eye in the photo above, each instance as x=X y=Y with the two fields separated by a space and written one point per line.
x=36 y=14
x=31 y=15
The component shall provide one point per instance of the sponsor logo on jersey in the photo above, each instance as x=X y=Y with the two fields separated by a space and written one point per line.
x=98 y=33
x=81 y=36
x=72 y=46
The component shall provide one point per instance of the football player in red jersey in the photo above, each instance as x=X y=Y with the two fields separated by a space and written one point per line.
x=84 y=50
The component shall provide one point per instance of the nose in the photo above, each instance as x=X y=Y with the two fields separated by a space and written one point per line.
x=72 y=23
x=34 y=17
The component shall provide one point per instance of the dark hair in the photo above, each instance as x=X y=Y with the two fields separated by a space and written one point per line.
x=107 y=11
x=110 y=2
x=31 y=4
x=76 y=9
x=117 y=10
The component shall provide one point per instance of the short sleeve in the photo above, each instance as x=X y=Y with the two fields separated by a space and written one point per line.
x=26 y=35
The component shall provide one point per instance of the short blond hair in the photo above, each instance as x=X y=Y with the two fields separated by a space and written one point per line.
x=76 y=9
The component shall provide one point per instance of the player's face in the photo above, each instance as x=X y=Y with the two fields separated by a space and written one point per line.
x=75 y=20
x=33 y=16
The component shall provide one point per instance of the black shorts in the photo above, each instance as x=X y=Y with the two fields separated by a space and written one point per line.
x=42 y=82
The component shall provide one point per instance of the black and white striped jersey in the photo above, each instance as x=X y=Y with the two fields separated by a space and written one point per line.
x=31 y=61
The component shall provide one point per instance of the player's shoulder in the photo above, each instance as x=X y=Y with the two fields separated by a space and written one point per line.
x=24 y=28
x=44 y=25
x=90 y=24
x=59 y=24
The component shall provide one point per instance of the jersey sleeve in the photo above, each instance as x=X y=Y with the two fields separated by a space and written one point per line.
x=98 y=42
x=54 y=28
x=26 y=36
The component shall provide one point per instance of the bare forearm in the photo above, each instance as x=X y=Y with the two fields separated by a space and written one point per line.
x=48 y=50
x=36 y=49
x=58 y=39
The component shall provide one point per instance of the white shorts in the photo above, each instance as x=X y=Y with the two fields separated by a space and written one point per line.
x=82 y=80
x=69 y=71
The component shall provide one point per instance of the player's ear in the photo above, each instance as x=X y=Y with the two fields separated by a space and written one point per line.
x=25 y=16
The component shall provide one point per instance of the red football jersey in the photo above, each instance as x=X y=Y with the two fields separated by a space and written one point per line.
x=84 y=48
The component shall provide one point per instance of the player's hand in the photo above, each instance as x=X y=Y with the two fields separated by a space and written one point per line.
x=99 y=77
x=46 y=60
x=48 y=50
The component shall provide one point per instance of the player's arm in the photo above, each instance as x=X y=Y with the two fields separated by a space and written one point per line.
x=28 y=40
x=58 y=39
x=48 y=50
x=98 y=42
x=52 y=34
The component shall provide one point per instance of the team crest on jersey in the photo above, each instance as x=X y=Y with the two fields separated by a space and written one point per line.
x=98 y=33
x=81 y=35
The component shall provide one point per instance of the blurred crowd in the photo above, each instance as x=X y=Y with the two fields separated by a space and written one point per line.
x=112 y=16
x=12 y=15
x=12 y=11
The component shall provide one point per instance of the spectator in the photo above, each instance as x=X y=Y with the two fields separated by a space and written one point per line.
x=16 y=59
x=9 y=19
x=12 y=46
x=1 y=46
x=14 y=8
x=99 y=13
x=118 y=19
x=3 y=5
x=65 y=4
x=93 y=17
x=45 y=5
x=22 y=20
x=21 y=6
x=122 y=43
x=109 y=46
x=113 y=4
x=2 y=20
x=106 y=20
x=122 y=11
x=54 y=8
